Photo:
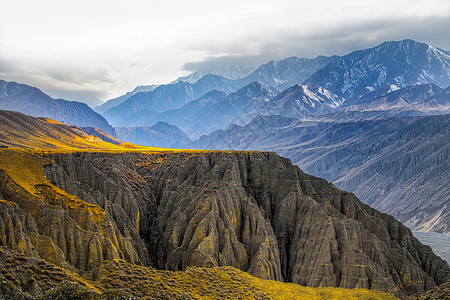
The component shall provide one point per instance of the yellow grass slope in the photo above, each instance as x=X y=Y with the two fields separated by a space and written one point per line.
x=213 y=283
x=21 y=131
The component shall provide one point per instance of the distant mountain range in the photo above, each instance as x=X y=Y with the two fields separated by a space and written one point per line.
x=276 y=74
x=166 y=97
x=285 y=73
x=356 y=78
x=401 y=63
x=34 y=102
x=213 y=111
x=423 y=99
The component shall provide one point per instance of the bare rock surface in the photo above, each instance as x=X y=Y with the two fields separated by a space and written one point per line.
x=251 y=210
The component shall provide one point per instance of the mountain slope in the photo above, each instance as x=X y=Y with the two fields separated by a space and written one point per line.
x=34 y=102
x=11 y=88
x=423 y=99
x=397 y=165
x=116 y=101
x=21 y=131
x=167 y=97
x=400 y=63
x=285 y=73
x=301 y=101
x=212 y=111
x=113 y=280
x=160 y=134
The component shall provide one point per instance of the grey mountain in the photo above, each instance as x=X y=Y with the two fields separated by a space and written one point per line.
x=167 y=97
x=11 y=88
x=423 y=99
x=400 y=63
x=33 y=102
x=277 y=74
x=300 y=101
x=397 y=165
x=212 y=111
x=186 y=117
x=285 y=73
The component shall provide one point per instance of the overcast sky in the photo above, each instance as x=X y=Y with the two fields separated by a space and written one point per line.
x=88 y=49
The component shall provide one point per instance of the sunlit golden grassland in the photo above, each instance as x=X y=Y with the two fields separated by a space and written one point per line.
x=215 y=283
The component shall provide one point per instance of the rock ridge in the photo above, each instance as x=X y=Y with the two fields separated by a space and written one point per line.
x=253 y=211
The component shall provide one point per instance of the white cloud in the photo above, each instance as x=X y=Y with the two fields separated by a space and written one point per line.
x=103 y=48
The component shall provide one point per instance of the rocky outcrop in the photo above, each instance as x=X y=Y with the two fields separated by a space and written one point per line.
x=253 y=211
x=40 y=220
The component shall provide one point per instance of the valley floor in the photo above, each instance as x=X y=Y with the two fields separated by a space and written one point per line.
x=439 y=242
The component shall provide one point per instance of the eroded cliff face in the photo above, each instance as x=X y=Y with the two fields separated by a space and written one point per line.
x=40 y=220
x=253 y=211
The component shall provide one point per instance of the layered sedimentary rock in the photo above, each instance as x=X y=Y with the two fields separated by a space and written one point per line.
x=253 y=211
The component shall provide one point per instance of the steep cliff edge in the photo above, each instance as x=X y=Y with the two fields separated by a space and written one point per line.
x=253 y=211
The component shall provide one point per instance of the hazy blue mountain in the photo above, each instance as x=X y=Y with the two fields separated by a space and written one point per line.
x=285 y=73
x=400 y=63
x=215 y=110
x=397 y=165
x=189 y=116
x=184 y=117
x=142 y=118
x=34 y=102
x=11 y=88
x=160 y=134
x=116 y=101
x=360 y=76
x=212 y=111
x=167 y=97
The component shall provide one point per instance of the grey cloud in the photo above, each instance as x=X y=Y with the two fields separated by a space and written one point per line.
x=71 y=81
x=337 y=40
